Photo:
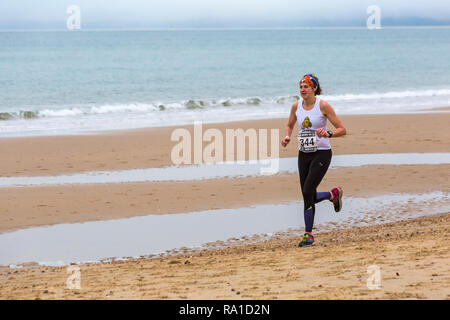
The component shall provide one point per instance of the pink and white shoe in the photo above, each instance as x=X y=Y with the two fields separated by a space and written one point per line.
x=337 y=198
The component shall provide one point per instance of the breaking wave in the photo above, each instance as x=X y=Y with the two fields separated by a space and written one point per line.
x=196 y=104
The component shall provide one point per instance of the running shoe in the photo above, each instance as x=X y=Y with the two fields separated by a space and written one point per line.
x=337 y=198
x=308 y=240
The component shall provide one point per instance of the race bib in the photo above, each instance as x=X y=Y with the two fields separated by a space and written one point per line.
x=307 y=140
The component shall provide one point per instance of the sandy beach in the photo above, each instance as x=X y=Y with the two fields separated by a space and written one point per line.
x=145 y=148
x=273 y=269
x=413 y=258
x=29 y=207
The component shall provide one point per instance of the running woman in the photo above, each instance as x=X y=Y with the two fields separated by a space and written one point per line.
x=314 y=154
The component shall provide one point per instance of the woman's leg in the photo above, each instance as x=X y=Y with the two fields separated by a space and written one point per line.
x=303 y=167
x=304 y=161
x=320 y=196
x=318 y=167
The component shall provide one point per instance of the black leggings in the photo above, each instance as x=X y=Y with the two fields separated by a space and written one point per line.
x=312 y=167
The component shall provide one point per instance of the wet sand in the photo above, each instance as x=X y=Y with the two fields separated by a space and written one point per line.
x=412 y=255
x=417 y=250
x=145 y=148
x=439 y=109
x=38 y=206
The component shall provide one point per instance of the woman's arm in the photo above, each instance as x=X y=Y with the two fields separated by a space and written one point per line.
x=328 y=111
x=290 y=125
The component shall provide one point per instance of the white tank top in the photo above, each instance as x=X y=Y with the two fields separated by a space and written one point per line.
x=313 y=119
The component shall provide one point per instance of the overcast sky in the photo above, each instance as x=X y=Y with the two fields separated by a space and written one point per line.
x=214 y=13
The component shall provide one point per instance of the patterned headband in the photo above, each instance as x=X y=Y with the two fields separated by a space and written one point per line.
x=310 y=81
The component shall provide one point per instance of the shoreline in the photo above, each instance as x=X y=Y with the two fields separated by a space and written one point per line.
x=25 y=207
x=434 y=110
x=141 y=232
x=151 y=147
x=271 y=269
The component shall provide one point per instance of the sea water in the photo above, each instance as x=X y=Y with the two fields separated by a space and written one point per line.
x=62 y=82
x=159 y=233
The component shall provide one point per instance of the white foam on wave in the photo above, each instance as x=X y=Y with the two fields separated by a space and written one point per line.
x=85 y=119
x=388 y=95
x=133 y=107
x=61 y=112
x=227 y=102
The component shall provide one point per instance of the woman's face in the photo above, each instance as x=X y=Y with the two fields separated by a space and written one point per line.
x=306 y=91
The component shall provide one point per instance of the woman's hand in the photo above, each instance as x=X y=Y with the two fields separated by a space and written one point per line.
x=322 y=133
x=290 y=125
x=285 y=141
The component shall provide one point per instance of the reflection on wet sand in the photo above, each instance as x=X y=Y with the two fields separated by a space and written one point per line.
x=224 y=170
x=156 y=234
